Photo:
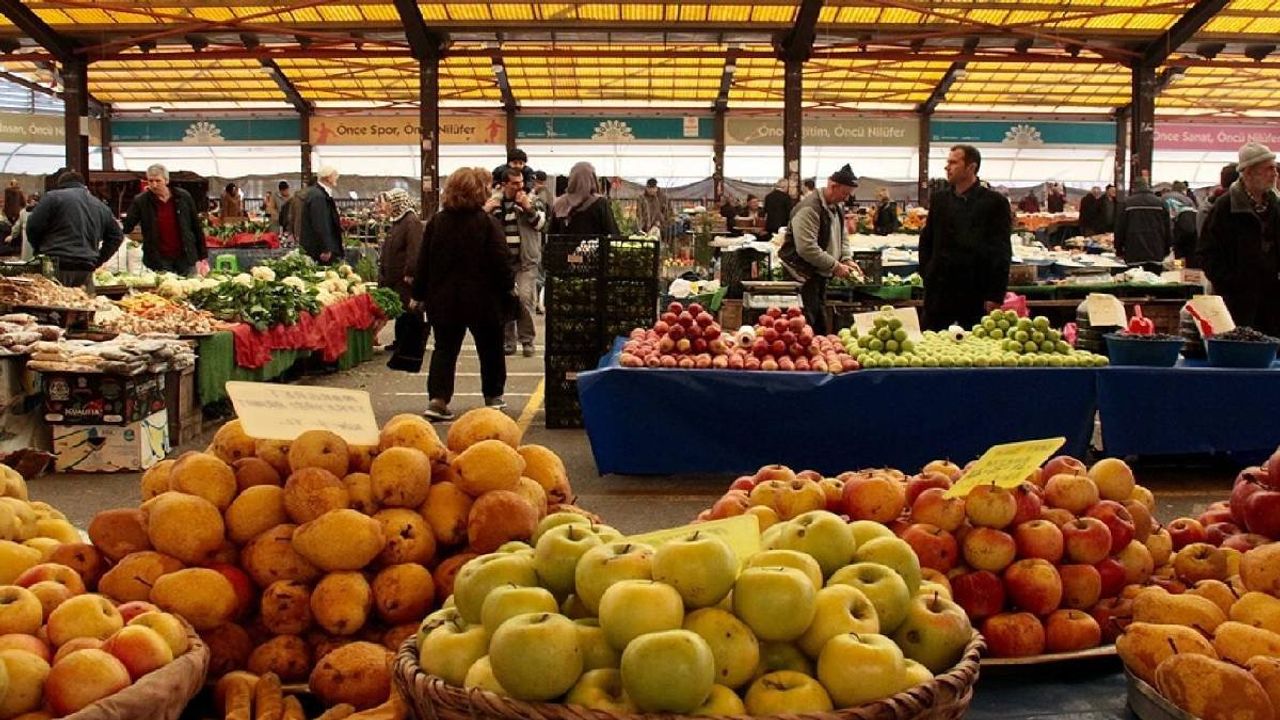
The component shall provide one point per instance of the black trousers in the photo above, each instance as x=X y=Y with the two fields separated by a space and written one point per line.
x=444 y=359
x=944 y=306
x=813 y=293
x=412 y=331
x=76 y=278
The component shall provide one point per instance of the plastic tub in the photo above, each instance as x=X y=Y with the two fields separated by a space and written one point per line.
x=1241 y=354
x=1124 y=350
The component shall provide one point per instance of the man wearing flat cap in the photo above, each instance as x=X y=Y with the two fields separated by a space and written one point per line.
x=815 y=249
x=1239 y=244
x=964 y=246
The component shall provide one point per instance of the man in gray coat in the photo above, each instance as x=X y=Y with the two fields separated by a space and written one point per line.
x=815 y=249
x=522 y=217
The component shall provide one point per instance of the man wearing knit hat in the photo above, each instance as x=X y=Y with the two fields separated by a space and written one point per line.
x=1239 y=244
x=815 y=249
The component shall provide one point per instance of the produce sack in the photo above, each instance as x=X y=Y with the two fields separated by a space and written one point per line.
x=159 y=695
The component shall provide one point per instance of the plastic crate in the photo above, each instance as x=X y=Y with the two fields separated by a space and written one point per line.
x=570 y=256
x=626 y=258
x=572 y=296
x=634 y=296
x=573 y=335
x=561 y=368
x=562 y=407
x=622 y=326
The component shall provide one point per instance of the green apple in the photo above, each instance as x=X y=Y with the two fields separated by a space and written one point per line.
x=700 y=566
x=507 y=601
x=483 y=574
x=632 y=608
x=549 y=638
x=733 y=645
x=515 y=546
x=934 y=633
x=450 y=649
x=789 y=558
x=775 y=656
x=596 y=652
x=777 y=603
x=883 y=587
x=573 y=609
x=895 y=553
x=604 y=565
x=858 y=668
x=820 y=534
x=606 y=533
x=480 y=676
x=668 y=671
x=840 y=609
x=438 y=618
x=555 y=520
x=930 y=588
x=916 y=674
x=601 y=689
x=785 y=692
x=864 y=531
x=769 y=534
x=557 y=555
x=722 y=702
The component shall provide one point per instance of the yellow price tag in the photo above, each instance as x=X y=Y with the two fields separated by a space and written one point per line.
x=1006 y=465
x=741 y=533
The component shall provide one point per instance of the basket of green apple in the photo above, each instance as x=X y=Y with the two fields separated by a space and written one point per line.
x=578 y=628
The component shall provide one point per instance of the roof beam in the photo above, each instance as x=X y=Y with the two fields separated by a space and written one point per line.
x=423 y=41
x=797 y=43
x=25 y=18
x=726 y=81
x=942 y=88
x=286 y=86
x=1181 y=32
x=509 y=101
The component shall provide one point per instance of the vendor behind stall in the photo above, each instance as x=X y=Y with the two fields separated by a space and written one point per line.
x=815 y=249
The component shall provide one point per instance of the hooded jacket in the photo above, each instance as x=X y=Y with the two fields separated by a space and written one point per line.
x=75 y=227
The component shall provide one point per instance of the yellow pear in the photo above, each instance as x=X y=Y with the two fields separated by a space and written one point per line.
x=1143 y=646
x=16 y=559
x=1257 y=609
x=340 y=540
x=1219 y=592
x=1260 y=568
x=1156 y=605
x=1266 y=670
x=1212 y=689
x=206 y=598
x=1238 y=642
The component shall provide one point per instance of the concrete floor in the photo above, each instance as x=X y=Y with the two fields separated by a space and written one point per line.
x=632 y=504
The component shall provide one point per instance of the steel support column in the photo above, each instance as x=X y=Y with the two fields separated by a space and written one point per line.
x=717 y=157
x=922 y=169
x=304 y=143
x=792 y=124
x=1142 y=123
x=108 y=151
x=429 y=119
x=75 y=96
x=1122 y=150
x=511 y=128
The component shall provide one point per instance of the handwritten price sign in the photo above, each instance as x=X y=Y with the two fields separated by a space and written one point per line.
x=283 y=412
x=1006 y=465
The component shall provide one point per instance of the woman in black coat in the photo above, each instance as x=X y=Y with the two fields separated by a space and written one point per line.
x=464 y=282
x=581 y=210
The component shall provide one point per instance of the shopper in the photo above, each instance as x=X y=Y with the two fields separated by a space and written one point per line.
x=653 y=210
x=581 y=210
x=729 y=210
x=464 y=282
x=1144 y=234
x=318 y=228
x=75 y=228
x=1110 y=208
x=14 y=201
x=886 y=220
x=1226 y=178
x=541 y=190
x=751 y=216
x=232 y=207
x=810 y=186
x=516 y=160
x=1182 y=212
x=172 y=233
x=815 y=249
x=1240 y=243
x=1091 y=212
x=20 y=227
x=1030 y=203
x=1056 y=198
x=396 y=265
x=275 y=203
x=777 y=209
x=523 y=218
x=964 y=246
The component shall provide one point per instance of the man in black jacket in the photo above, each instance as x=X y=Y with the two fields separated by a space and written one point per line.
x=1091 y=212
x=172 y=235
x=319 y=230
x=964 y=246
x=1144 y=233
x=777 y=208
x=75 y=228
x=1240 y=243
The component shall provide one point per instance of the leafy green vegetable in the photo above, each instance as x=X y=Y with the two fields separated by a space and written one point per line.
x=388 y=301
x=260 y=303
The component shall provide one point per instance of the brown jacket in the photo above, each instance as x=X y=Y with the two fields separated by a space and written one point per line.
x=399 y=258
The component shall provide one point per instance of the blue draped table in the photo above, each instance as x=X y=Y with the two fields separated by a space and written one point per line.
x=661 y=422
x=1189 y=409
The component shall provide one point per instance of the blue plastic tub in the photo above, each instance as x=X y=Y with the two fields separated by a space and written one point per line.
x=1148 y=353
x=1240 y=354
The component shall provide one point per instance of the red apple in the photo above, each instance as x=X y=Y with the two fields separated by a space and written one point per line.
x=1081 y=586
x=1217 y=532
x=1247 y=482
x=1118 y=521
x=833 y=488
x=1061 y=465
x=1271 y=475
x=1029 y=503
x=1076 y=493
x=944 y=467
x=990 y=506
x=1262 y=513
x=1071 y=631
x=1033 y=585
x=932 y=507
x=936 y=548
x=1244 y=542
x=1088 y=540
x=1039 y=539
x=989 y=549
x=1184 y=531
x=1143 y=523
x=734 y=502
x=1057 y=516
x=1113 y=576
x=774 y=472
x=919 y=483
x=1216 y=513
x=1113 y=615
x=744 y=483
x=1014 y=635
x=873 y=497
x=980 y=593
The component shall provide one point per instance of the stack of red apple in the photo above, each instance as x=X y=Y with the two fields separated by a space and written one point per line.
x=1249 y=519
x=1041 y=565
x=691 y=339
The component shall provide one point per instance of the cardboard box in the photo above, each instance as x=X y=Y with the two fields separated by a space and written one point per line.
x=101 y=398
x=112 y=448
x=186 y=416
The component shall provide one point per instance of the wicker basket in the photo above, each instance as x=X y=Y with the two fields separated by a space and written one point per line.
x=947 y=697
x=159 y=695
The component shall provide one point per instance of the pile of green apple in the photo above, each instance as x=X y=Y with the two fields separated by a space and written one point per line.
x=1025 y=336
x=887 y=336
x=820 y=618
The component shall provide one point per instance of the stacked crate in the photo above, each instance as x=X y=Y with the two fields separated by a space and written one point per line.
x=596 y=289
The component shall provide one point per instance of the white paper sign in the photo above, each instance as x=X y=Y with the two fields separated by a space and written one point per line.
x=866 y=322
x=283 y=412
x=1213 y=309
x=1105 y=311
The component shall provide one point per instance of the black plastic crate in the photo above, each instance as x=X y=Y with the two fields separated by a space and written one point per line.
x=622 y=327
x=572 y=256
x=572 y=296
x=635 y=297
x=627 y=258
x=871 y=262
x=562 y=406
x=566 y=417
x=573 y=335
x=562 y=368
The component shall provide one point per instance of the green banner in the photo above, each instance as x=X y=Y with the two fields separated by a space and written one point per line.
x=206 y=131
x=837 y=131
x=1026 y=133
x=614 y=129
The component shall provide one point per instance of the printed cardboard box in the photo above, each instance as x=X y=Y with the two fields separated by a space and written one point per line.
x=101 y=398
x=112 y=448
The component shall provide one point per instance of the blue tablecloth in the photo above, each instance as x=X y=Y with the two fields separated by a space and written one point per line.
x=1189 y=409
x=658 y=422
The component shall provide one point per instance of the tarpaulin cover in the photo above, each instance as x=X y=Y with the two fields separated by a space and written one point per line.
x=1189 y=409
x=326 y=332
x=658 y=422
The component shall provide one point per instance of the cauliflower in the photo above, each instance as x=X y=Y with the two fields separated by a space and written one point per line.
x=346 y=270
x=325 y=297
x=358 y=289
x=331 y=275
x=295 y=282
x=262 y=272
x=243 y=279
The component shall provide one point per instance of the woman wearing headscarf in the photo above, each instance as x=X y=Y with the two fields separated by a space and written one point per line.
x=886 y=219
x=396 y=265
x=465 y=283
x=581 y=210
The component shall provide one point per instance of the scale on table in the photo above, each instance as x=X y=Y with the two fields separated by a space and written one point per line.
x=764 y=294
